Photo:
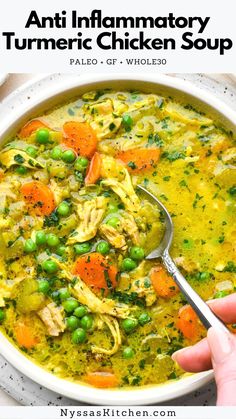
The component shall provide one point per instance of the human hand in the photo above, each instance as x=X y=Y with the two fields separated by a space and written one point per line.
x=217 y=351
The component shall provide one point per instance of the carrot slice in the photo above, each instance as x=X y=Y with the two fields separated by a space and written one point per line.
x=39 y=197
x=24 y=336
x=101 y=379
x=94 y=170
x=96 y=271
x=81 y=137
x=31 y=127
x=188 y=323
x=163 y=283
x=139 y=159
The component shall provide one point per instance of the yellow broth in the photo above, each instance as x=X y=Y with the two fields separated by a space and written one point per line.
x=194 y=176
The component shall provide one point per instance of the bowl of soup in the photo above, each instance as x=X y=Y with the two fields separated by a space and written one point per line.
x=81 y=310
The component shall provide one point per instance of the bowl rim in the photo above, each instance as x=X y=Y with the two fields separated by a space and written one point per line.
x=81 y=392
x=79 y=81
x=145 y=395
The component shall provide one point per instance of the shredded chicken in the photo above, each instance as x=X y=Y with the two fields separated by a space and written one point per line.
x=6 y=190
x=59 y=192
x=113 y=325
x=104 y=130
x=90 y=214
x=229 y=155
x=52 y=317
x=7 y=288
x=130 y=227
x=116 y=239
x=125 y=191
x=19 y=157
x=85 y=296
x=95 y=305
x=103 y=120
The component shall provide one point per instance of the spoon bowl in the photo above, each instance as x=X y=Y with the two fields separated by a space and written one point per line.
x=205 y=314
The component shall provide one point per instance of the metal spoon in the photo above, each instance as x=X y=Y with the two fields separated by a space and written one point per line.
x=205 y=314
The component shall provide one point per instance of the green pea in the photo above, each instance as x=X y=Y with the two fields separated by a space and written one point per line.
x=129 y=325
x=50 y=266
x=68 y=156
x=2 y=315
x=144 y=318
x=30 y=246
x=42 y=136
x=56 y=153
x=127 y=121
x=40 y=238
x=70 y=305
x=81 y=164
x=137 y=253
x=128 y=264
x=63 y=209
x=78 y=336
x=87 y=322
x=21 y=170
x=32 y=151
x=61 y=250
x=103 y=247
x=113 y=222
x=44 y=286
x=72 y=323
x=204 y=275
x=221 y=294
x=80 y=311
x=128 y=353
x=52 y=240
x=64 y=294
x=112 y=208
x=81 y=248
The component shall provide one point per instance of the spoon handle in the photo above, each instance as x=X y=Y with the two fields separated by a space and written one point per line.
x=205 y=314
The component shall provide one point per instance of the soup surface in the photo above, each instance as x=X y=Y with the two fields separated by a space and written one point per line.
x=76 y=293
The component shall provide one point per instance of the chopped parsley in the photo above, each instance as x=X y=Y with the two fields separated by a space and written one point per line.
x=197 y=199
x=132 y=165
x=51 y=220
x=131 y=298
x=173 y=155
x=221 y=239
x=160 y=103
x=230 y=267
x=19 y=159
x=112 y=126
x=172 y=376
x=155 y=139
x=232 y=190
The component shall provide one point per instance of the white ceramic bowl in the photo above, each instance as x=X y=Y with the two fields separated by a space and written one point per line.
x=58 y=92
x=3 y=78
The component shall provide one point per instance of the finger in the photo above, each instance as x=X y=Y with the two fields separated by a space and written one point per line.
x=225 y=308
x=194 y=358
x=223 y=350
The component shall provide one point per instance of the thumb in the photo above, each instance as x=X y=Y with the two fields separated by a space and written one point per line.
x=223 y=350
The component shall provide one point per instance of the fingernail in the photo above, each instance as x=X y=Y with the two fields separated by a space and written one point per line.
x=175 y=355
x=211 y=301
x=220 y=343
